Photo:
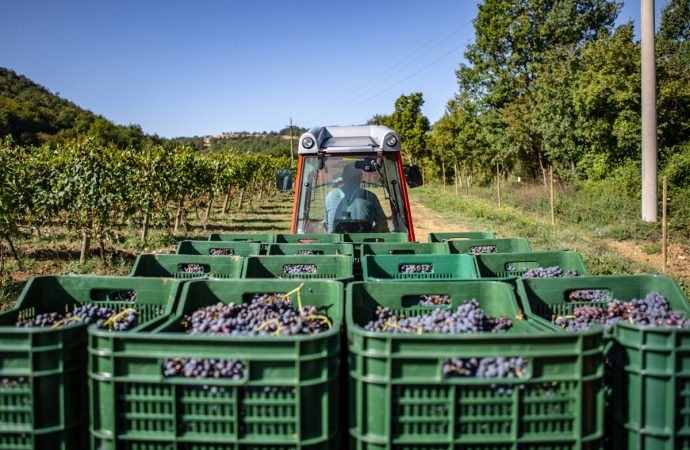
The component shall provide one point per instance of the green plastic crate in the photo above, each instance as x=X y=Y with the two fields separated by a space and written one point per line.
x=264 y=238
x=308 y=238
x=503 y=245
x=503 y=265
x=318 y=249
x=402 y=248
x=174 y=265
x=648 y=375
x=444 y=267
x=441 y=237
x=44 y=404
x=333 y=267
x=288 y=397
x=205 y=247
x=361 y=238
x=400 y=400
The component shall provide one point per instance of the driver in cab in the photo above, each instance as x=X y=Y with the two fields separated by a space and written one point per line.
x=350 y=208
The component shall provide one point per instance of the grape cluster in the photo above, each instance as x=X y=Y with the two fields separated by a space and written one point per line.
x=653 y=310
x=191 y=268
x=467 y=318
x=434 y=300
x=294 y=269
x=266 y=314
x=479 y=249
x=491 y=367
x=221 y=251
x=588 y=295
x=40 y=320
x=89 y=314
x=203 y=368
x=549 y=272
x=416 y=268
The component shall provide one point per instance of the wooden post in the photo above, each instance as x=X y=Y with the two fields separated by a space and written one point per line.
x=239 y=202
x=664 y=224
x=208 y=208
x=85 y=241
x=467 y=177
x=551 y=195
x=498 y=183
x=443 y=174
x=145 y=226
x=178 y=215
x=455 y=175
x=226 y=201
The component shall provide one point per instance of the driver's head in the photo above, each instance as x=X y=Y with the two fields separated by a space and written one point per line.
x=352 y=175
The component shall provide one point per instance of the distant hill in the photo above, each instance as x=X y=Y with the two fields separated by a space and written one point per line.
x=33 y=115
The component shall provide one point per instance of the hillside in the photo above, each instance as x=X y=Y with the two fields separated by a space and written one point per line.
x=33 y=115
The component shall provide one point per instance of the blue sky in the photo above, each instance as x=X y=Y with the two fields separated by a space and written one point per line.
x=183 y=68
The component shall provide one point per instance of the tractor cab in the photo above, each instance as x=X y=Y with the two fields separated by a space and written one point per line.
x=352 y=180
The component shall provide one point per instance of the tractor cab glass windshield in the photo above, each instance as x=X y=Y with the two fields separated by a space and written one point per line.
x=349 y=194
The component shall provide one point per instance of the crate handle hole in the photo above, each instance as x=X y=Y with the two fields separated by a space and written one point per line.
x=193 y=268
x=292 y=269
x=520 y=266
x=480 y=249
x=416 y=268
x=221 y=251
x=114 y=295
x=588 y=295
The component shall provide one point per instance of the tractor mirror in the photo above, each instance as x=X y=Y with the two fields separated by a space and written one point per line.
x=413 y=176
x=283 y=180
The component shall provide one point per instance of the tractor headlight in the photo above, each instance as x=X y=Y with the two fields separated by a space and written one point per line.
x=307 y=142
x=391 y=141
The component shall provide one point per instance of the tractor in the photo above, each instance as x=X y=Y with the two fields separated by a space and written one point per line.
x=351 y=180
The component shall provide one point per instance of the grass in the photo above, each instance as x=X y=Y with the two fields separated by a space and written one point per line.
x=56 y=251
x=480 y=212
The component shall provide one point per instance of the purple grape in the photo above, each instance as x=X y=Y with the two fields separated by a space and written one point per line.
x=653 y=310
x=266 y=314
x=467 y=318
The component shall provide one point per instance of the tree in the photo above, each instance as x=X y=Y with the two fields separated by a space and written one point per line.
x=512 y=43
x=673 y=74
x=412 y=126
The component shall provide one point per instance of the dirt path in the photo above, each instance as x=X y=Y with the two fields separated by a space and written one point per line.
x=678 y=256
x=426 y=221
